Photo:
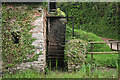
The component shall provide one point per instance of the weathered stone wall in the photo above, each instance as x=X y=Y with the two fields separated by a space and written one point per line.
x=39 y=33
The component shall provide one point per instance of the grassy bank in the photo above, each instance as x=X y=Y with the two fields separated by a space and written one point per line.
x=101 y=59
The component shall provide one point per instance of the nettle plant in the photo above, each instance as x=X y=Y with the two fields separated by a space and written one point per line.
x=16 y=35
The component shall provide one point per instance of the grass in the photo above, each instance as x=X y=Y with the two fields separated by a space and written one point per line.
x=101 y=59
x=86 y=71
x=24 y=74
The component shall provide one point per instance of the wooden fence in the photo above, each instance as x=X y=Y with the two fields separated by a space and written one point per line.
x=110 y=42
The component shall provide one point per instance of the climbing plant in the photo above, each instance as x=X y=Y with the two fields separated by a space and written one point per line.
x=16 y=35
x=75 y=51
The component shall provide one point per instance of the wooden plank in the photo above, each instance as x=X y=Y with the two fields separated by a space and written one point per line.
x=105 y=42
x=117 y=46
x=112 y=40
x=55 y=57
x=54 y=50
x=102 y=52
x=56 y=43
x=58 y=17
x=56 y=54
x=59 y=63
x=111 y=45
x=56 y=47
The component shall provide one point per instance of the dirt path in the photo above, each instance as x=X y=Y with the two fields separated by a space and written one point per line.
x=114 y=45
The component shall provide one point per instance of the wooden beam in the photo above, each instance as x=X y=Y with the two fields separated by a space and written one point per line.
x=57 y=17
x=105 y=42
x=117 y=46
x=102 y=52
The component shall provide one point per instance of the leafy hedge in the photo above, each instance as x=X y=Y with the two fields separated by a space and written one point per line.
x=99 y=18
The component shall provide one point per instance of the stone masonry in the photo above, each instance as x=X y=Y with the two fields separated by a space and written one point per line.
x=39 y=32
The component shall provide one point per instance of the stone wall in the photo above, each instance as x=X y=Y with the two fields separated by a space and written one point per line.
x=39 y=33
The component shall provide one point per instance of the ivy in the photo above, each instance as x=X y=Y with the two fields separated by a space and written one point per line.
x=75 y=51
x=16 y=20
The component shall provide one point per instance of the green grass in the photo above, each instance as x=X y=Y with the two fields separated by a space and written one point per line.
x=24 y=74
x=86 y=71
x=101 y=59
x=79 y=74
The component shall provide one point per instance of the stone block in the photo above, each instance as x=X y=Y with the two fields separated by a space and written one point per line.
x=27 y=66
x=41 y=59
x=38 y=36
x=38 y=22
x=18 y=67
x=38 y=51
x=37 y=42
x=36 y=62
x=41 y=56
x=21 y=65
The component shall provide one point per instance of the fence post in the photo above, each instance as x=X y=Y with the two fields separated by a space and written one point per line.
x=92 y=51
x=117 y=46
x=111 y=45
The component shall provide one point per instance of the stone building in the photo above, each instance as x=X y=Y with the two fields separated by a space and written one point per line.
x=38 y=33
x=49 y=33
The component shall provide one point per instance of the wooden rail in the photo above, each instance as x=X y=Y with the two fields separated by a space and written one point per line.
x=104 y=42
x=103 y=52
x=114 y=52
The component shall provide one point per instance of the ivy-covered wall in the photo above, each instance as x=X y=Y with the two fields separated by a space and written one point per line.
x=24 y=36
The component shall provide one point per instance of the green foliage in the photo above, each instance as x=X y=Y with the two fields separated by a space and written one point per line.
x=16 y=20
x=35 y=58
x=99 y=18
x=24 y=74
x=58 y=13
x=86 y=71
x=88 y=37
x=75 y=51
x=100 y=59
x=111 y=62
